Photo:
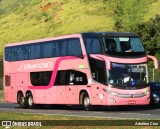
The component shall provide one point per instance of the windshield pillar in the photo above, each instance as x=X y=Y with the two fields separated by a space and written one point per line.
x=104 y=58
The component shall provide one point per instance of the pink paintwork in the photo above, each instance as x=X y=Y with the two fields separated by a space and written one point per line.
x=19 y=72
x=55 y=69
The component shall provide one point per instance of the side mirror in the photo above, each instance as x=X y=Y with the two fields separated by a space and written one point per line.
x=104 y=58
x=154 y=60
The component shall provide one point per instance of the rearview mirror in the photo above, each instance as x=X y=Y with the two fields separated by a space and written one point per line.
x=154 y=60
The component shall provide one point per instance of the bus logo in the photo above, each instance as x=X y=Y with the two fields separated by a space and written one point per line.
x=35 y=66
x=6 y=123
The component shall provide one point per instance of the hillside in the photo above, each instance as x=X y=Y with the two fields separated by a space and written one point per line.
x=37 y=19
x=34 y=19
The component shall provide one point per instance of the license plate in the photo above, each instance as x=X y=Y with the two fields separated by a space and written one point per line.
x=131 y=102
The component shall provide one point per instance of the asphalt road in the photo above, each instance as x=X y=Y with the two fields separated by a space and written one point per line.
x=134 y=112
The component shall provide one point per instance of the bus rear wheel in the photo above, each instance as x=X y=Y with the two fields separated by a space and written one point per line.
x=30 y=101
x=86 y=102
x=22 y=101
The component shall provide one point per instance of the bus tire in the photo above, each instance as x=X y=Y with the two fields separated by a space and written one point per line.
x=86 y=102
x=30 y=101
x=22 y=100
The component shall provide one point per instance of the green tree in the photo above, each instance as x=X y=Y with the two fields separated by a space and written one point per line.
x=150 y=33
x=127 y=13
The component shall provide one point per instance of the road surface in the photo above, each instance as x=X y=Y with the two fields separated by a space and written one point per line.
x=136 y=112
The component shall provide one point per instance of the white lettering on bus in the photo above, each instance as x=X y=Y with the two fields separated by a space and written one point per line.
x=35 y=66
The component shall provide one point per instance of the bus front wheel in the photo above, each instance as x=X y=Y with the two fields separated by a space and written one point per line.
x=86 y=102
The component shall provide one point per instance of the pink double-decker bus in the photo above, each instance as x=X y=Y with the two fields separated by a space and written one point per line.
x=89 y=69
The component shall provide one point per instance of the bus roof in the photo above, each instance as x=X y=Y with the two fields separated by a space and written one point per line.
x=73 y=36
x=43 y=40
x=111 y=33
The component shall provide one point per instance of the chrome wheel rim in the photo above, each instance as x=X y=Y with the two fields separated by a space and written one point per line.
x=86 y=102
x=30 y=101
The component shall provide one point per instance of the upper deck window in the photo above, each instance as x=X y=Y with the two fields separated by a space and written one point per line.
x=122 y=45
x=114 y=44
x=48 y=49
x=92 y=44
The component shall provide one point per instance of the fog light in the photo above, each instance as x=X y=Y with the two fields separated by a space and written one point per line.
x=112 y=100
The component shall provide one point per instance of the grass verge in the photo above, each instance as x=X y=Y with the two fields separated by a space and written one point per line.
x=64 y=119
x=1 y=83
x=1 y=96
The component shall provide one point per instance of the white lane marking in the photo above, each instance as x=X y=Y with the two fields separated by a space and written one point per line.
x=134 y=114
x=79 y=116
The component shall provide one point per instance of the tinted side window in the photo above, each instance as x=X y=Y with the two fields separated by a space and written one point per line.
x=62 y=47
x=48 y=49
x=14 y=53
x=56 y=48
x=80 y=78
x=71 y=77
x=7 y=80
x=40 y=78
x=20 y=53
x=92 y=45
x=98 y=70
x=8 y=54
x=62 y=77
x=33 y=51
x=26 y=51
x=74 y=47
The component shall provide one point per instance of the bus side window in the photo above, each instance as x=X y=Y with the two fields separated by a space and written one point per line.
x=98 y=70
x=32 y=51
x=92 y=46
x=38 y=51
x=8 y=54
x=80 y=78
x=61 y=78
x=20 y=53
x=71 y=77
x=26 y=52
x=7 y=80
x=14 y=54
x=48 y=50
x=62 y=47
x=74 y=47
x=40 y=78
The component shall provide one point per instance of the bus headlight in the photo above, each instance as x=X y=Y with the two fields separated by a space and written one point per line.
x=114 y=94
x=110 y=92
x=147 y=93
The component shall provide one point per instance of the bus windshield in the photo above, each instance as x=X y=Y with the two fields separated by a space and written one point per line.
x=124 y=75
x=122 y=44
